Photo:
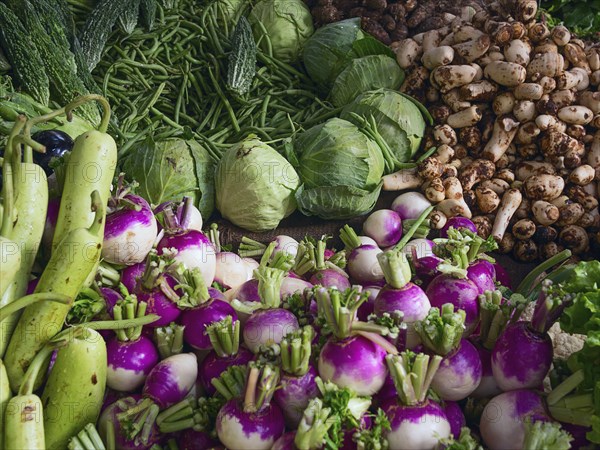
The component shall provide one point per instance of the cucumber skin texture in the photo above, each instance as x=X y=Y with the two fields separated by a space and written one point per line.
x=74 y=393
x=24 y=430
x=91 y=166
x=31 y=204
x=5 y=396
x=67 y=270
x=10 y=260
x=23 y=56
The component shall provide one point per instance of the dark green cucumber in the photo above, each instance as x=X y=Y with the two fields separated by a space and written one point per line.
x=241 y=64
x=59 y=61
x=97 y=28
x=23 y=55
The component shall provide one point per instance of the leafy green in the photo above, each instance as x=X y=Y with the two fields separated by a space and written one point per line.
x=328 y=50
x=283 y=26
x=580 y=16
x=169 y=169
x=399 y=121
x=336 y=153
x=336 y=202
x=365 y=74
x=255 y=185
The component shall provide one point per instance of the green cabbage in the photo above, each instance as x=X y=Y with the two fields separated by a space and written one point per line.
x=255 y=185
x=364 y=74
x=399 y=121
x=169 y=169
x=340 y=168
x=288 y=24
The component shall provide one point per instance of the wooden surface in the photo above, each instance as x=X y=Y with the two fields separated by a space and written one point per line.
x=298 y=226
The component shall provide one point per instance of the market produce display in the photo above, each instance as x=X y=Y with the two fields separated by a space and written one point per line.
x=425 y=137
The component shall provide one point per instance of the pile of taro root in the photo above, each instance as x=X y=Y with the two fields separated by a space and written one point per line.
x=517 y=125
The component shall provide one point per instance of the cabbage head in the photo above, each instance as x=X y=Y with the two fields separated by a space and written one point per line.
x=364 y=74
x=287 y=23
x=340 y=169
x=399 y=121
x=255 y=185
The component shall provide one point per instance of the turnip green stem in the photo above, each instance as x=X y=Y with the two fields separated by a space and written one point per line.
x=528 y=282
x=214 y=236
x=189 y=413
x=349 y=237
x=441 y=331
x=231 y=382
x=410 y=233
x=108 y=274
x=296 y=349
x=412 y=375
x=305 y=258
x=545 y=435
x=169 y=339
x=27 y=300
x=185 y=214
x=121 y=324
x=395 y=267
x=87 y=439
x=269 y=285
x=563 y=389
x=551 y=302
x=110 y=436
x=195 y=291
x=313 y=426
x=250 y=248
x=129 y=309
x=339 y=309
x=260 y=386
x=224 y=336
x=421 y=232
x=491 y=318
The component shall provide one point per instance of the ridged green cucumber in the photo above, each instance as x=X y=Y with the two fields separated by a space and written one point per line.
x=74 y=392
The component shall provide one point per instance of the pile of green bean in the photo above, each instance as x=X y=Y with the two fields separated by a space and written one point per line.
x=173 y=79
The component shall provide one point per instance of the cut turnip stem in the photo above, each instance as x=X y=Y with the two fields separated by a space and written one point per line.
x=400 y=294
x=297 y=385
x=87 y=438
x=169 y=340
x=415 y=422
x=327 y=274
x=354 y=355
x=225 y=339
x=193 y=414
x=546 y=435
x=253 y=422
x=131 y=356
x=460 y=371
x=313 y=426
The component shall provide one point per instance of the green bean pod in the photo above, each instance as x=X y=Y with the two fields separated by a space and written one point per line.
x=90 y=167
x=74 y=392
x=5 y=396
x=31 y=203
x=69 y=266
x=24 y=423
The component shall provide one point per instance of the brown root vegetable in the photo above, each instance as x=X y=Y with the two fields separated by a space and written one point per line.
x=505 y=128
x=555 y=143
x=453 y=100
x=453 y=208
x=526 y=251
x=407 y=52
x=543 y=187
x=528 y=151
x=495 y=184
x=524 y=111
x=444 y=134
x=476 y=172
x=560 y=35
x=529 y=91
x=465 y=118
x=593 y=157
x=575 y=54
x=521 y=10
x=483 y=225
x=582 y=175
x=544 y=234
x=579 y=194
x=523 y=229
x=480 y=91
x=511 y=200
x=545 y=213
x=438 y=56
x=437 y=220
x=590 y=100
x=444 y=153
x=527 y=133
x=487 y=199
x=538 y=32
x=474 y=49
x=453 y=76
x=526 y=169
x=504 y=103
x=434 y=190
x=506 y=175
x=430 y=168
x=574 y=238
x=505 y=73
x=517 y=51
x=402 y=180
x=578 y=115
x=550 y=249
x=507 y=243
x=470 y=137
x=546 y=64
x=570 y=214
